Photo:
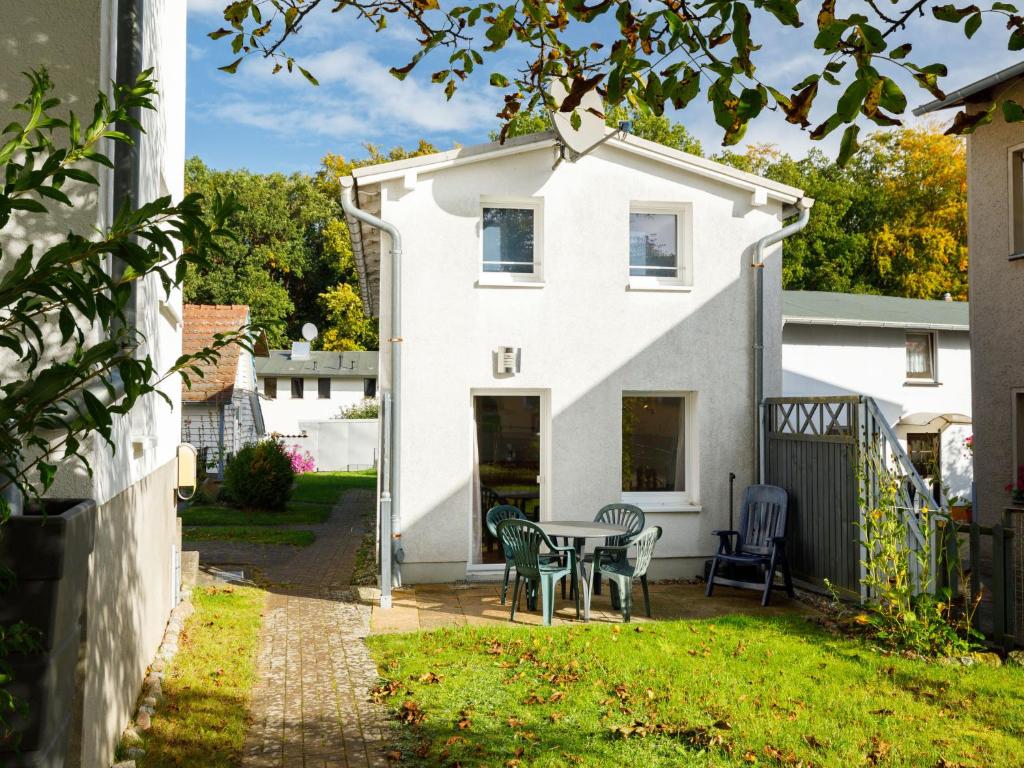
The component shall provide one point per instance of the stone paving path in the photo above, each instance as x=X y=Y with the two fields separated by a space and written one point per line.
x=311 y=703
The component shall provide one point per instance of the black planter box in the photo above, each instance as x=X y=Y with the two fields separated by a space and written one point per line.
x=48 y=550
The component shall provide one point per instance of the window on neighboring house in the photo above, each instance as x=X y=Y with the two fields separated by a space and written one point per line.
x=1017 y=202
x=659 y=244
x=923 y=450
x=270 y=388
x=654 y=449
x=298 y=387
x=920 y=357
x=323 y=388
x=369 y=387
x=510 y=240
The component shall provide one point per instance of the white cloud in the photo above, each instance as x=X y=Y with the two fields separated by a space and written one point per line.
x=207 y=7
x=357 y=98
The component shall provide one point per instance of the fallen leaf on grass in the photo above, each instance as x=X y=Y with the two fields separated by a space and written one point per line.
x=464 y=720
x=554 y=717
x=515 y=722
x=411 y=713
x=393 y=756
x=430 y=678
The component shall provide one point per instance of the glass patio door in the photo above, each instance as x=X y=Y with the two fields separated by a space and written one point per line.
x=506 y=464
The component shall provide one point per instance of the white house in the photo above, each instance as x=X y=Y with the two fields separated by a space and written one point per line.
x=221 y=411
x=302 y=385
x=913 y=356
x=575 y=330
x=85 y=45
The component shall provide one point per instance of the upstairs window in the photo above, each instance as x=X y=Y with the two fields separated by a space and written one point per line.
x=510 y=242
x=1017 y=202
x=920 y=357
x=659 y=237
x=298 y=388
x=270 y=388
x=323 y=388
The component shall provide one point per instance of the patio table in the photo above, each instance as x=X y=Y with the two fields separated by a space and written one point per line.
x=579 y=531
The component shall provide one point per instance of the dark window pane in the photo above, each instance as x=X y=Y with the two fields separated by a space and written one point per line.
x=923 y=450
x=270 y=388
x=919 y=356
x=323 y=387
x=369 y=387
x=508 y=240
x=298 y=387
x=653 y=245
x=653 y=444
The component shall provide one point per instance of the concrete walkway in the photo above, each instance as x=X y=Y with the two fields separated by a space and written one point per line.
x=310 y=706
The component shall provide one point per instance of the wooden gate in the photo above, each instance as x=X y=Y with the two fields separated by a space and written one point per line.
x=811 y=450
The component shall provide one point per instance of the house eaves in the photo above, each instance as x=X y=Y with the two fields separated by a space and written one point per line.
x=980 y=92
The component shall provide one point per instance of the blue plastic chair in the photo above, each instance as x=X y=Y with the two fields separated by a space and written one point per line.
x=614 y=563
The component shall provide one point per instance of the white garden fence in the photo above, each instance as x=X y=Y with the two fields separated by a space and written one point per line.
x=339 y=444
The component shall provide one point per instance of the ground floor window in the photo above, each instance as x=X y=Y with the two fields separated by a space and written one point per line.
x=923 y=449
x=298 y=388
x=654 y=447
x=369 y=387
x=323 y=388
x=270 y=388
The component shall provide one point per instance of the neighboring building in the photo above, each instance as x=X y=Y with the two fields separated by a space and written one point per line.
x=995 y=204
x=912 y=356
x=84 y=45
x=220 y=411
x=575 y=332
x=300 y=385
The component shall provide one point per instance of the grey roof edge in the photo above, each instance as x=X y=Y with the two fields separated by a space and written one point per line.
x=852 y=323
x=961 y=96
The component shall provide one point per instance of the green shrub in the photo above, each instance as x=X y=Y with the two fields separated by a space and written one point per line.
x=259 y=476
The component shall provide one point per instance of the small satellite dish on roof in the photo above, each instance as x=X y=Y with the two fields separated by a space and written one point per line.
x=309 y=331
x=591 y=129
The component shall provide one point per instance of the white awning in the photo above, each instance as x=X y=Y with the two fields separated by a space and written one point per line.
x=935 y=420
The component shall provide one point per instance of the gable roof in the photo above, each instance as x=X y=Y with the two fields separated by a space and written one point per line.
x=366 y=240
x=980 y=91
x=350 y=365
x=859 y=309
x=201 y=322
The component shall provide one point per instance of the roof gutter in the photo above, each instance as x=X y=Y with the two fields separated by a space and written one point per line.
x=390 y=519
x=804 y=205
x=847 y=322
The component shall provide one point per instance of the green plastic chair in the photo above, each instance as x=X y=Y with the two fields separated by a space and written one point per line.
x=523 y=540
x=628 y=516
x=614 y=563
x=494 y=516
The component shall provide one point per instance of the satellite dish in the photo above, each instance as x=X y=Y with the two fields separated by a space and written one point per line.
x=309 y=331
x=590 y=110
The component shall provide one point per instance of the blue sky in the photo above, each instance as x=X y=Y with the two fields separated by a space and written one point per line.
x=267 y=122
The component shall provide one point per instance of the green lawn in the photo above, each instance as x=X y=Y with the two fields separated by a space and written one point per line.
x=202 y=719
x=248 y=535
x=314 y=495
x=733 y=691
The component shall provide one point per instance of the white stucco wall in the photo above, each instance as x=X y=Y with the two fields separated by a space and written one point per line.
x=339 y=444
x=129 y=571
x=585 y=339
x=283 y=413
x=820 y=360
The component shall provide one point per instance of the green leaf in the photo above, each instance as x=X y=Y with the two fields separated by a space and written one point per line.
x=217 y=34
x=498 y=80
x=1016 y=42
x=232 y=67
x=901 y=51
x=951 y=13
x=1012 y=111
x=309 y=76
x=972 y=25
x=852 y=98
x=848 y=146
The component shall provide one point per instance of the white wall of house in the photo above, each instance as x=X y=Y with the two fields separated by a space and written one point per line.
x=130 y=590
x=340 y=444
x=820 y=360
x=586 y=338
x=283 y=413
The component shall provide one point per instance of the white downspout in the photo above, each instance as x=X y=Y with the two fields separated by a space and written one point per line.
x=804 y=204
x=390 y=513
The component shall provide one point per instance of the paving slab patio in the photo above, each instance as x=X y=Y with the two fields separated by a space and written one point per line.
x=431 y=606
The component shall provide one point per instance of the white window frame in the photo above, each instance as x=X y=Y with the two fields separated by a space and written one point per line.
x=683 y=281
x=934 y=347
x=670 y=501
x=1015 y=195
x=533 y=279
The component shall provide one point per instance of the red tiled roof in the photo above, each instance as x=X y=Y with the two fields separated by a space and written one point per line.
x=201 y=322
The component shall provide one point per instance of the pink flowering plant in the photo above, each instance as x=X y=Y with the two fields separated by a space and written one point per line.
x=302 y=461
x=969 y=443
x=1016 y=489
